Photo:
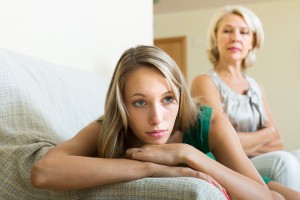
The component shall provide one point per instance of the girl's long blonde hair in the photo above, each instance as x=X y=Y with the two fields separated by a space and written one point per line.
x=116 y=136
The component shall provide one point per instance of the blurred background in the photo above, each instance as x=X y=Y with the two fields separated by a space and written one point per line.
x=181 y=26
x=91 y=35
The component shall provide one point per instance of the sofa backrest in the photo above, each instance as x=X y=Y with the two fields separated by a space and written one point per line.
x=45 y=98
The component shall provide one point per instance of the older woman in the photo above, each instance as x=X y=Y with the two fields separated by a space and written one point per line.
x=235 y=35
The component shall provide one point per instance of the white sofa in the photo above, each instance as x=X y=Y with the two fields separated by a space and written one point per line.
x=43 y=104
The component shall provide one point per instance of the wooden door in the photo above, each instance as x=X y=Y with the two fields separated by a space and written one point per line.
x=176 y=48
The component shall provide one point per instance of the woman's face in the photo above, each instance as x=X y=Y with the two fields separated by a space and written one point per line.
x=151 y=105
x=234 y=38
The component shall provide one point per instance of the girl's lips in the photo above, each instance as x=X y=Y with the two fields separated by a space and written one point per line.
x=156 y=133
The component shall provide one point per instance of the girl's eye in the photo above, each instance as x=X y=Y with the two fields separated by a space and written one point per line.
x=168 y=100
x=139 y=103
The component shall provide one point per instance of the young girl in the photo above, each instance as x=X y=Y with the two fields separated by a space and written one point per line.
x=151 y=127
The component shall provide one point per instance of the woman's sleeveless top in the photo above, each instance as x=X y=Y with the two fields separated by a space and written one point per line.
x=246 y=112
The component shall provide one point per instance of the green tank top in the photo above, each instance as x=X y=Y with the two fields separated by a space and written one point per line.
x=198 y=135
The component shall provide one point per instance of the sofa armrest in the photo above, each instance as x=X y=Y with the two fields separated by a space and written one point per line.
x=17 y=185
x=157 y=188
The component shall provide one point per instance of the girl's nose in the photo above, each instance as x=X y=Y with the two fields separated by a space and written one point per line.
x=156 y=115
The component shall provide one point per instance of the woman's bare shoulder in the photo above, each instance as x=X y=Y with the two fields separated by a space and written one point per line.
x=201 y=78
x=202 y=82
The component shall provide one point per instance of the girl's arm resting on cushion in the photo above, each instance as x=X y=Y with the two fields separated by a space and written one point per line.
x=73 y=165
x=225 y=145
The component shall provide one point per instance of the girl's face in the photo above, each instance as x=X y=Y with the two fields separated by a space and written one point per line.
x=151 y=105
x=234 y=38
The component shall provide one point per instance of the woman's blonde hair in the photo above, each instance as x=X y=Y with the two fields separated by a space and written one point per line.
x=116 y=136
x=253 y=23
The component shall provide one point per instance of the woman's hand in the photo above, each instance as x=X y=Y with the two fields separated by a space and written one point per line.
x=274 y=142
x=255 y=143
x=165 y=154
x=275 y=145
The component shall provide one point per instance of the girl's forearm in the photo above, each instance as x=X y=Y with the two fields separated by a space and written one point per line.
x=228 y=178
x=75 y=172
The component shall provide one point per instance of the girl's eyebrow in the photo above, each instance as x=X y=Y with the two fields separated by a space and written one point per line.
x=137 y=94
x=142 y=95
x=169 y=92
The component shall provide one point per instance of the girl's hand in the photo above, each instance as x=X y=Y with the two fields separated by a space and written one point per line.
x=165 y=154
x=209 y=179
x=162 y=159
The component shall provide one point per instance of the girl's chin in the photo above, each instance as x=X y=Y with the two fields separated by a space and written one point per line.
x=157 y=142
x=140 y=144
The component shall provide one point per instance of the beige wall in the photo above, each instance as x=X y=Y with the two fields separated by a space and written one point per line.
x=86 y=34
x=278 y=65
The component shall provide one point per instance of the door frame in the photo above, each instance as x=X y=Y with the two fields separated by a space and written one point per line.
x=182 y=41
